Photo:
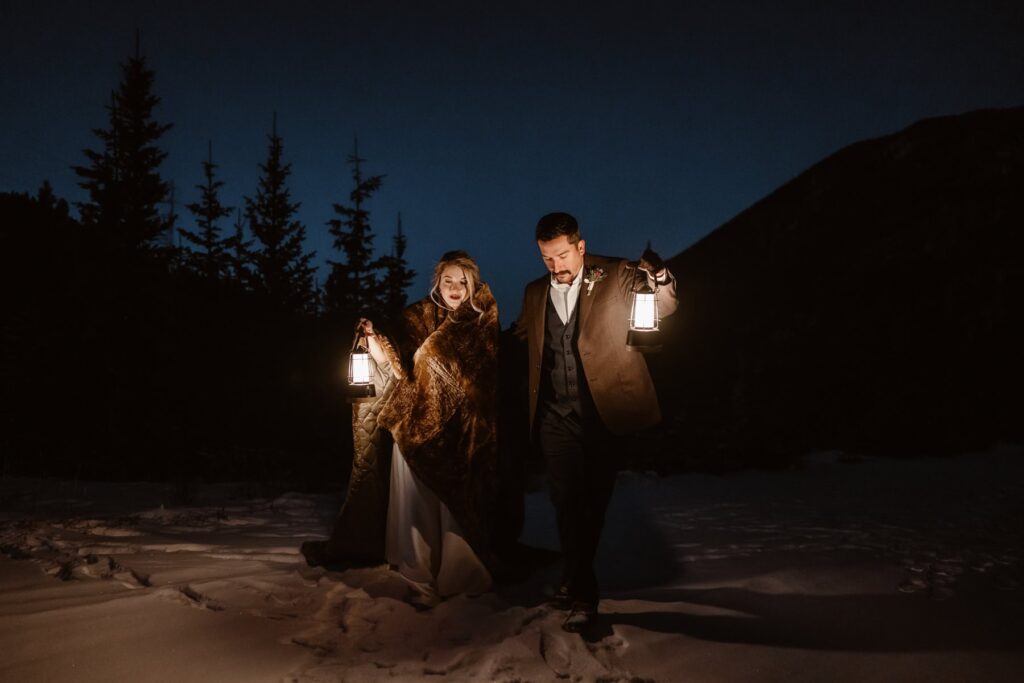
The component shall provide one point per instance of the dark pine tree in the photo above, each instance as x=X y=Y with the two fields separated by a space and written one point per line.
x=49 y=201
x=123 y=177
x=208 y=253
x=282 y=269
x=238 y=251
x=397 y=276
x=172 y=241
x=351 y=288
x=131 y=303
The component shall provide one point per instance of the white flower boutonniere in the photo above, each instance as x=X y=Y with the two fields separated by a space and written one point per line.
x=592 y=275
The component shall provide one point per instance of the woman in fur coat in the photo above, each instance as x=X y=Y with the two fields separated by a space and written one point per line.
x=439 y=403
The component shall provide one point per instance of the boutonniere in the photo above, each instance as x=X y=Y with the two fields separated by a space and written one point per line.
x=592 y=275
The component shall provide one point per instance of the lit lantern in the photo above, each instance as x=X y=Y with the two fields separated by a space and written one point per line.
x=361 y=370
x=643 y=318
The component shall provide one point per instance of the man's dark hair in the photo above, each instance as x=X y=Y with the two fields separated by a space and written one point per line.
x=557 y=224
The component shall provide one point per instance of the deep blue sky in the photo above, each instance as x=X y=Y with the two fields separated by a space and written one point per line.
x=647 y=120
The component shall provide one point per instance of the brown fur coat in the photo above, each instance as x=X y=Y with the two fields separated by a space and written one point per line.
x=438 y=401
x=442 y=413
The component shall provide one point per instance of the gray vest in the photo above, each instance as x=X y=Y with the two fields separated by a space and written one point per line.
x=563 y=384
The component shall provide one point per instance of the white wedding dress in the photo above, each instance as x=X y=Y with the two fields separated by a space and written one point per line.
x=425 y=542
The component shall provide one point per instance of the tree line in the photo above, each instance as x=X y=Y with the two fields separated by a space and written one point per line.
x=134 y=346
x=126 y=193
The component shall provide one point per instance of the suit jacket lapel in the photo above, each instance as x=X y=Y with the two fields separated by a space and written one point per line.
x=538 y=300
x=584 y=301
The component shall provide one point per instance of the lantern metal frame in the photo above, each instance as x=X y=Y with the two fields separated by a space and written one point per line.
x=644 y=339
x=359 y=391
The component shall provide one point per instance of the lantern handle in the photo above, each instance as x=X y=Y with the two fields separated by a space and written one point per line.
x=356 y=339
x=654 y=262
x=639 y=282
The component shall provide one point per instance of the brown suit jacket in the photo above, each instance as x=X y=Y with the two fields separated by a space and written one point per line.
x=619 y=381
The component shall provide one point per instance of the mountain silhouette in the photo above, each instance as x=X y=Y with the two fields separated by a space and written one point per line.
x=871 y=304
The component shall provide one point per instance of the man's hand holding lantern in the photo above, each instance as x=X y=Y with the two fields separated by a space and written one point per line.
x=652 y=264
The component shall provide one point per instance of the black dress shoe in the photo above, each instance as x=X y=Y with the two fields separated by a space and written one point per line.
x=580 y=617
x=315 y=553
x=562 y=599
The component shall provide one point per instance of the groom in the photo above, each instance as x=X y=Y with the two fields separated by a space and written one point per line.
x=586 y=388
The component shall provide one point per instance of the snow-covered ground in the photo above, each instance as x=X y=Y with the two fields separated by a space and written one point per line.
x=870 y=570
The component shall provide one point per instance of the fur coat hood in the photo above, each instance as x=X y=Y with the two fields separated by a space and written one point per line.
x=443 y=410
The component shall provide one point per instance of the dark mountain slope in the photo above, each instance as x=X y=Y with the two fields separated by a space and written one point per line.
x=873 y=303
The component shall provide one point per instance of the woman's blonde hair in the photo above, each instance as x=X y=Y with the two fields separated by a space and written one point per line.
x=469 y=267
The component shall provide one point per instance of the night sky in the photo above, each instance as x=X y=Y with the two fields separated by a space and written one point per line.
x=656 y=120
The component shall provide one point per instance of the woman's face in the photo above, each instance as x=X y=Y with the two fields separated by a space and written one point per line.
x=454 y=286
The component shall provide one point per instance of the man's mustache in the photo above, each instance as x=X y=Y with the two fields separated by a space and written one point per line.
x=562 y=272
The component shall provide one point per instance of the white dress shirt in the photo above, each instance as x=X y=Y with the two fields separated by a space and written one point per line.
x=565 y=296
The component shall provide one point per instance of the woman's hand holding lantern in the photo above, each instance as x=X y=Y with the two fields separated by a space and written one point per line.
x=365 y=327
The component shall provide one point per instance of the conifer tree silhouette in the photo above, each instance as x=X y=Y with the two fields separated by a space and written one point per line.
x=48 y=200
x=123 y=176
x=211 y=259
x=172 y=241
x=351 y=288
x=397 y=276
x=282 y=269
x=131 y=298
x=238 y=252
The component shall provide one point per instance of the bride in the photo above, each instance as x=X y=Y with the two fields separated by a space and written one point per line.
x=439 y=403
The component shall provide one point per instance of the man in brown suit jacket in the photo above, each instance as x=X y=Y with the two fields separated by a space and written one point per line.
x=586 y=388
